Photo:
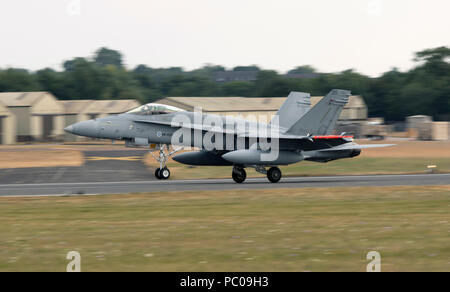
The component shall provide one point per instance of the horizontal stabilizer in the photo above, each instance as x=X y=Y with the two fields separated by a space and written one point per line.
x=352 y=146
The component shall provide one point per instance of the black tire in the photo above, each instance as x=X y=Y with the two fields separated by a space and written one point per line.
x=274 y=174
x=157 y=173
x=239 y=175
x=164 y=173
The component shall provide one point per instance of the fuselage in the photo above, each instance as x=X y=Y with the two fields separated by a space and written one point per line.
x=160 y=130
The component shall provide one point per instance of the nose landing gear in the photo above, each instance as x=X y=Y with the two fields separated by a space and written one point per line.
x=163 y=172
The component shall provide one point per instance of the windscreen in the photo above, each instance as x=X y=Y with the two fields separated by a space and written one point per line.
x=154 y=109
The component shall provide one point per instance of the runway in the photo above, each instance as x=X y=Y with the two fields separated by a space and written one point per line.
x=91 y=188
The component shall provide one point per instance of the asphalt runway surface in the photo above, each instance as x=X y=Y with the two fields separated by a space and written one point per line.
x=99 y=166
x=120 y=187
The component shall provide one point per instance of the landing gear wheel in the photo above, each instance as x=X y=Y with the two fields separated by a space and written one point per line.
x=157 y=173
x=274 y=174
x=164 y=173
x=239 y=175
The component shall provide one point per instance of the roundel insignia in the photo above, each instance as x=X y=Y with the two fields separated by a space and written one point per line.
x=159 y=134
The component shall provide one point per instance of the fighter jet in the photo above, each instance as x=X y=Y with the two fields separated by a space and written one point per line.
x=297 y=132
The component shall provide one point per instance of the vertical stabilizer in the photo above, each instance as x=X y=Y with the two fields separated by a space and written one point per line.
x=322 y=118
x=295 y=107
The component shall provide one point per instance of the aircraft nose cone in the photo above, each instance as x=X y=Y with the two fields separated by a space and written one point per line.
x=85 y=128
x=69 y=129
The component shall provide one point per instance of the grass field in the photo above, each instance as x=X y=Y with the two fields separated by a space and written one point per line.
x=329 y=229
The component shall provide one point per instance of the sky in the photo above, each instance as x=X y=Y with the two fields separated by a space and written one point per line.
x=370 y=36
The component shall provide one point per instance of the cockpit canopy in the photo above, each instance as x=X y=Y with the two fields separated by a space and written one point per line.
x=154 y=109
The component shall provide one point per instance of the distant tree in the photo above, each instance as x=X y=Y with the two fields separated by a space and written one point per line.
x=278 y=87
x=143 y=69
x=70 y=64
x=51 y=81
x=105 y=56
x=208 y=70
x=246 y=68
x=238 y=88
x=18 y=80
x=358 y=83
x=159 y=74
x=82 y=80
x=149 y=88
x=145 y=80
x=183 y=85
x=440 y=54
x=302 y=70
x=415 y=98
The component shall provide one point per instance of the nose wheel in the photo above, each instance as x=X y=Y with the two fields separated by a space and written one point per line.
x=163 y=172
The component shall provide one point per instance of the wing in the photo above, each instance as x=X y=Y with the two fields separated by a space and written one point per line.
x=191 y=126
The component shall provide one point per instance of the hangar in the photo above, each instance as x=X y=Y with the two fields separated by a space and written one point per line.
x=354 y=111
x=38 y=115
x=7 y=125
x=103 y=108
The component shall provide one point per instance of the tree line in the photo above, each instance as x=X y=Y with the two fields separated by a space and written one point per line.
x=425 y=89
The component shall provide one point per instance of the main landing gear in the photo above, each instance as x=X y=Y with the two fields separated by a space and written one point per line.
x=163 y=172
x=273 y=174
x=239 y=175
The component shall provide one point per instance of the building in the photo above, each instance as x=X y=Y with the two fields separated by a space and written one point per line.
x=7 y=125
x=306 y=75
x=38 y=115
x=103 y=108
x=433 y=131
x=260 y=107
x=413 y=122
x=440 y=131
x=81 y=110
x=354 y=111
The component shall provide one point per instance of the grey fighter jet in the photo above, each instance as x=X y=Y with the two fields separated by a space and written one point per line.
x=296 y=133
